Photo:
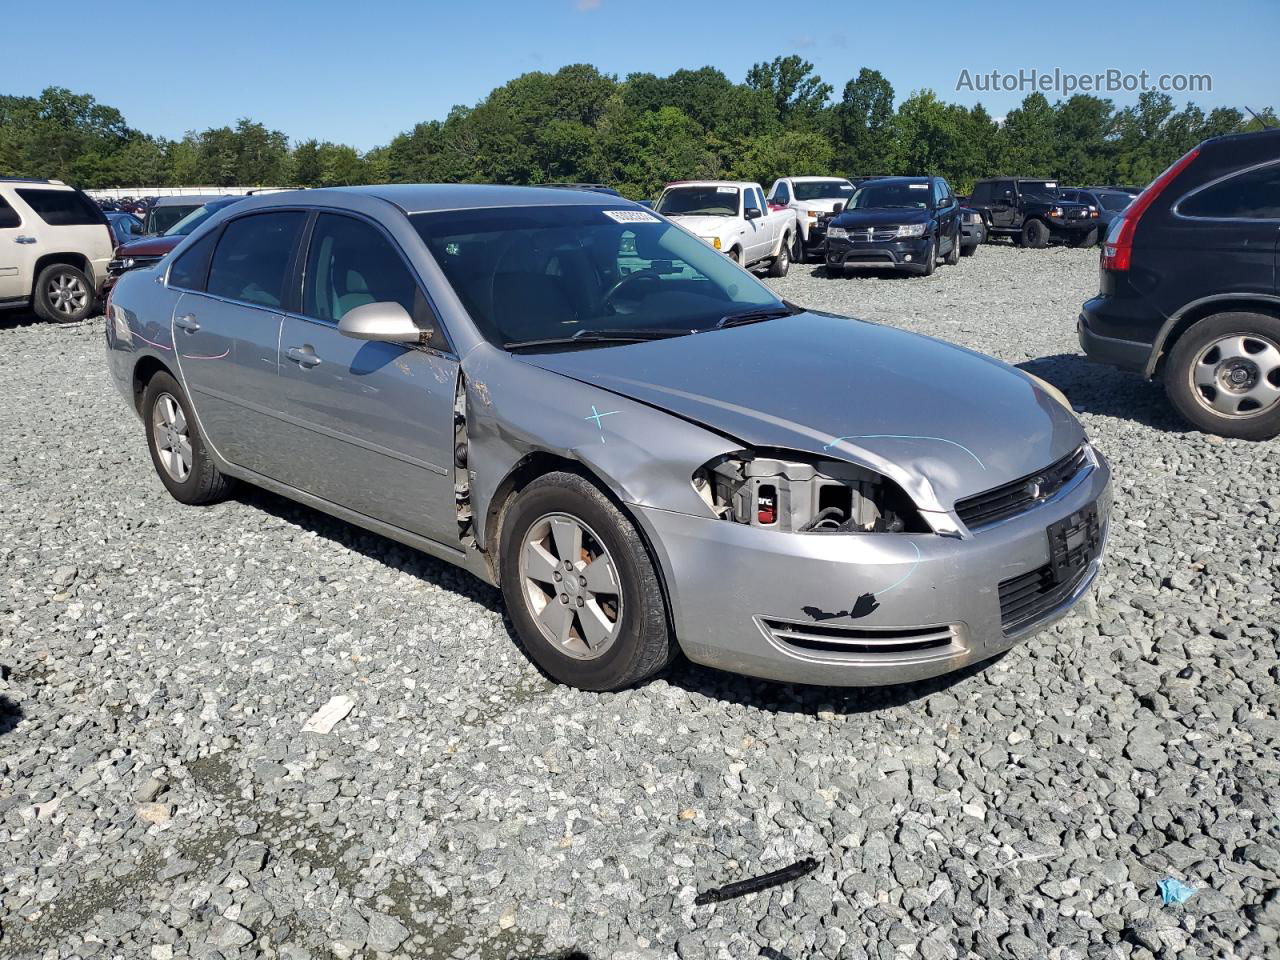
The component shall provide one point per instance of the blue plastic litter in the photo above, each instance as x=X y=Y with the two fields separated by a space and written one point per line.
x=1174 y=891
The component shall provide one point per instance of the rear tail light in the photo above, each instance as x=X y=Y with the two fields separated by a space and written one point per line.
x=1117 y=250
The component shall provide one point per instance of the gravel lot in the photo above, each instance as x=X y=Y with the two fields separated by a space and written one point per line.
x=159 y=799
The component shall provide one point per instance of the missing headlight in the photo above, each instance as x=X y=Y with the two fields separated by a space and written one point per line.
x=781 y=491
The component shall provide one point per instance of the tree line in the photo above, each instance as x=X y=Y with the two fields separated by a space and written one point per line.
x=581 y=125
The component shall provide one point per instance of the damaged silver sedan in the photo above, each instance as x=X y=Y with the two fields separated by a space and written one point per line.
x=640 y=443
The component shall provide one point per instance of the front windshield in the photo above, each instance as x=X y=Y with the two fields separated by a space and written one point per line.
x=823 y=189
x=1114 y=201
x=878 y=195
x=534 y=273
x=700 y=201
x=161 y=219
x=193 y=219
x=1039 y=189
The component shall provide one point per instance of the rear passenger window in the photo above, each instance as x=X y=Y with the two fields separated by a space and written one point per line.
x=191 y=268
x=8 y=216
x=251 y=261
x=350 y=263
x=63 y=208
x=1254 y=195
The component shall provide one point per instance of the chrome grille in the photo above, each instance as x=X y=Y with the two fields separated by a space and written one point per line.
x=859 y=640
x=1018 y=496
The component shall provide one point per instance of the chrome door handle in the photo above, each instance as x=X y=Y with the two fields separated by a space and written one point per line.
x=187 y=322
x=303 y=356
x=24 y=239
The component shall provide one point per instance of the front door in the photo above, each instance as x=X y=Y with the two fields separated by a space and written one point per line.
x=372 y=422
x=226 y=330
x=1004 y=210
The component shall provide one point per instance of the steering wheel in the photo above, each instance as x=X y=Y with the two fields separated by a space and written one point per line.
x=648 y=273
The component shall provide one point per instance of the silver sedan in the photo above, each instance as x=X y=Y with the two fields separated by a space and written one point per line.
x=639 y=442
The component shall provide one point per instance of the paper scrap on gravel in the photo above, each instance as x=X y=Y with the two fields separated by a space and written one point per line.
x=328 y=716
x=1173 y=891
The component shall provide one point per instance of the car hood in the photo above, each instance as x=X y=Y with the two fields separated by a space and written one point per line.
x=148 y=246
x=704 y=226
x=822 y=206
x=879 y=216
x=942 y=421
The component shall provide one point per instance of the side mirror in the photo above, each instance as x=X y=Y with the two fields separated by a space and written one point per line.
x=381 y=321
x=838 y=208
x=754 y=213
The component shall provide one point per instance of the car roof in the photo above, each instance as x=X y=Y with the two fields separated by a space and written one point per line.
x=879 y=180
x=430 y=197
x=740 y=184
x=819 y=179
x=193 y=200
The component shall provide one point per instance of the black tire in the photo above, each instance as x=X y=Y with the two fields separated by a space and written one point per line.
x=63 y=294
x=203 y=483
x=1035 y=235
x=953 y=255
x=782 y=262
x=1086 y=239
x=645 y=645
x=800 y=252
x=1187 y=398
x=736 y=256
x=969 y=251
x=930 y=258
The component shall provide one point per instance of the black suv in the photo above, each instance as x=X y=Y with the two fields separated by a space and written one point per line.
x=896 y=223
x=1032 y=212
x=1188 y=290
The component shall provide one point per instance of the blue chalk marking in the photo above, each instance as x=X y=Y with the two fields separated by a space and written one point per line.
x=907 y=575
x=597 y=416
x=895 y=436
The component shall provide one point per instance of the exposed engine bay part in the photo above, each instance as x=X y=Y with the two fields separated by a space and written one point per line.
x=461 y=472
x=786 y=491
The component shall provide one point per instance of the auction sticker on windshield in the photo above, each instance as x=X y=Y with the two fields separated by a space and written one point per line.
x=630 y=216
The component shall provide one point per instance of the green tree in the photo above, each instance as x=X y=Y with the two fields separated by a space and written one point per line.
x=863 y=124
x=1026 y=144
x=798 y=93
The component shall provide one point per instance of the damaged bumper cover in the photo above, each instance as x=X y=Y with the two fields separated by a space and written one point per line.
x=871 y=609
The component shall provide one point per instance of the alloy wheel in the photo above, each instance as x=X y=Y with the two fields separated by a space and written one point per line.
x=1237 y=376
x=171 y=438
x=67 y=294
x=571 y=585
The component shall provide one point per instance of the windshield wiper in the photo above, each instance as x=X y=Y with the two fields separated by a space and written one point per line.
x=755 y=315
x=597 y=336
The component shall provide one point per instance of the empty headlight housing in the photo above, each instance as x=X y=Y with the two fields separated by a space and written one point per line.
x=792 y=492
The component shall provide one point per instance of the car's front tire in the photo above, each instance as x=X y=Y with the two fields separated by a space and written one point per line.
x=1223 y=375
x=1088 y=239
x=930 y=259
x=63 y=294
x=177 y=447
x=953 y=255
x=1035 y=235
x=580 y=586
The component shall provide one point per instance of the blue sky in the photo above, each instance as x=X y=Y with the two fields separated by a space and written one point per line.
x=361 y=72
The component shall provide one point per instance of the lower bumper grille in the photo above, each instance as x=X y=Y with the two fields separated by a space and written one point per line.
x=859 y=640
x=1032 y=596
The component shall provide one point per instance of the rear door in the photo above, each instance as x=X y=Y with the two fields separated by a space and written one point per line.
x=17 y=254
x=372 y=422
x=226 y=333
x=1232 y=225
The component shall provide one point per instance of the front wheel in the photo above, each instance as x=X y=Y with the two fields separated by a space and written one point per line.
x=1035 y=235
x=1086 y=239
x=969 y=251
x=580 y=587
x=63 y=294
x=930 y=258
x=953 y=255
x=1223 y=375
x=736 y=256
x=782 y=262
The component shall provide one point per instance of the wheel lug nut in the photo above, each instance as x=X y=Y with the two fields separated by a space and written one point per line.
x=582 y=581
x=568 y=565
x=579 y=601
x=564 y=598
x=558 y=576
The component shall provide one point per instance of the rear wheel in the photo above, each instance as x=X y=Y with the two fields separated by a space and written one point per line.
x=580 y=587
x=177 y=448
x=1223 y=375
x=63 y=294
x=782 y=262
x=1035 y=235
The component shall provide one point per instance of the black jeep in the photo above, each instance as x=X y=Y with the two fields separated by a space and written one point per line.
x=1032 y=212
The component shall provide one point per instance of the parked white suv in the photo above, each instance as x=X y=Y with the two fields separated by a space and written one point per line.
x=810 y=198
x=54 y=247
x=733 y=217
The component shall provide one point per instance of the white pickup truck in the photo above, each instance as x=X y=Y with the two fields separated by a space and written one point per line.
x=810 y=198
x=733 y=217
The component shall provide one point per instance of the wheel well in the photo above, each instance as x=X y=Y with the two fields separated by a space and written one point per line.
x=525 y=472
x=145 y=369
x=79 y=261
x=1203 y=312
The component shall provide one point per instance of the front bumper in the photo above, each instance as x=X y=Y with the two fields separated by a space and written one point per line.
x=737 y=592
x=1061 y=226
x=906 y=254
x=972 y=234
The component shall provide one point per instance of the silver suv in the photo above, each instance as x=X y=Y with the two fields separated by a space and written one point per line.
x=54 y=247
